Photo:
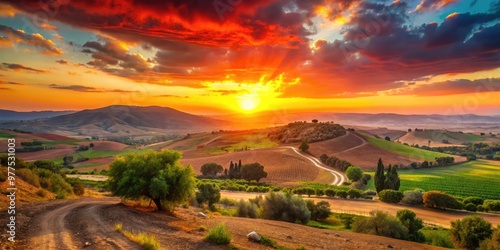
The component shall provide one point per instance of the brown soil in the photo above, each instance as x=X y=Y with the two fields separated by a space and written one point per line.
x=281 y=164
x=70 y=224
x=48 y=154
x=54 y=137
x=106 y=145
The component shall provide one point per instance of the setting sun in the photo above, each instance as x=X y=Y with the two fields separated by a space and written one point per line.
x=249 y=102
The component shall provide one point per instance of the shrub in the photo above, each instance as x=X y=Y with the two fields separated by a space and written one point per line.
x=342 y=194
x=61 y=195
x=246 y=209
x=319 y=211
x=413 y=197
x=493 y=205
x=390 y=196
x=148 y=242
x=320 y=192
x=440 y=200
x=492 y=243
x=219 y=235
x=347 y=220
x=354 y=173
x=330 y=192
x=474 y=200
x=208 y=193
x=470 y=231
x=438 y=237
x=228 y=202
x=28 y=176
x=409 y=219
x=284 y=207
x=380 y=223
x=77 y=185
x=354 y=193
x=470 y=207
x=41 y=193
x=480 y=208
x=370 y=192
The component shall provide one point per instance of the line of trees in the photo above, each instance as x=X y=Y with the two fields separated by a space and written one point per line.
x=390 y=180
x=335 y=162
x=252 y=171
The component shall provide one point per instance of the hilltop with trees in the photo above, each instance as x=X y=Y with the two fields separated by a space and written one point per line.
x=309 y=132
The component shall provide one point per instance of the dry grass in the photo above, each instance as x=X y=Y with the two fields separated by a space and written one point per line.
x=146 y=241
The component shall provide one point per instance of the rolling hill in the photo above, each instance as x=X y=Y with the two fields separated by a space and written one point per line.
x=9 y=115
x=121 y=120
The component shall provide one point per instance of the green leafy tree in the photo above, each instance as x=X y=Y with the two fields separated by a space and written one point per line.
x=319 y=211
x=492 y=243
x=470 y=231
x=67 y=160
x=409 y=219
x=156 y=175
x=208 y=193
x=46 y=164
x=354 y=173
x=253 y=171
x=390 y=196
x=379 y=178
x=440 y=200
x=304 y=146
x=211 y=169
x=392 y=180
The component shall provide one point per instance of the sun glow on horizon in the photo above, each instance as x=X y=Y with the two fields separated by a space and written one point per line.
x=249 y=102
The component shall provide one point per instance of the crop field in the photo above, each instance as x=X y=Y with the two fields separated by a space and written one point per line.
x=281 y=164
x=406 y=150
x=232 y=143
x=5 y=135
x=475 y=178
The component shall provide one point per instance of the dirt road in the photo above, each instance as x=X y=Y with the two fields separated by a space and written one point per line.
x=89 y=223
x=363 y=207
x=340 y=178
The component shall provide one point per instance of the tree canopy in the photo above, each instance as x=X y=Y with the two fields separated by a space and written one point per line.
x=156 y=175
x=304 y=146
x=253 y=171
x=354 y=173
x=211 y=169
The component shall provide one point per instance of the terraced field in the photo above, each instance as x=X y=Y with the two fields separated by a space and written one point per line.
x=475 y=178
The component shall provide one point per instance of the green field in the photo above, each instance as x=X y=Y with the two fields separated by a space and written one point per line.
x=5 y=135
x=240 y=142
x=403 y=149
x=474 y=178
x=92 y=154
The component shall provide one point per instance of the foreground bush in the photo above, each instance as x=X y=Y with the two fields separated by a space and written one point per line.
x=28 y=176
x=319 y=211
x=440 y=200
x=284 y=207
x=219 y=235
x=470 y=231
x=492 y=243
x=208 y=193
x=380 y=223
x=409 y=219
x=55 y=183
x=147 y=241
x=390 y=196
x=247 y=209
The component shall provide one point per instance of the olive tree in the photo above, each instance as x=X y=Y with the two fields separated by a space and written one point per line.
x=156 y=175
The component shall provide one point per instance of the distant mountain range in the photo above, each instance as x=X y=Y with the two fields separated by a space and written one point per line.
x=9 y=115
x=119 y=120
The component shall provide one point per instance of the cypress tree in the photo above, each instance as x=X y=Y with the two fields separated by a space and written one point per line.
x=379 y=177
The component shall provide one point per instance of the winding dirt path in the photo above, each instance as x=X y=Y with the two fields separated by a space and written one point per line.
x=71 y=226
x=340 y=178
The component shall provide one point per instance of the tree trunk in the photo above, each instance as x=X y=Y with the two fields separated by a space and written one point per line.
x=157 y=202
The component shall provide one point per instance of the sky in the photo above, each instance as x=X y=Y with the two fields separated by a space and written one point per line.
x=235 y=56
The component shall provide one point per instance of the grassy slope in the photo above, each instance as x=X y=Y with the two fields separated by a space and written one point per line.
x=6 y=135
x=239 y=142
x=92 y=154
x=403 y=149
x=475 y=178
